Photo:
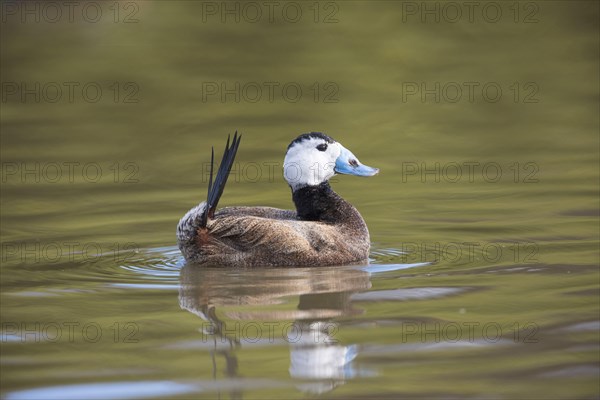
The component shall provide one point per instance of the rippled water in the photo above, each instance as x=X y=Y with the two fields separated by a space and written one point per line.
x=483 y=280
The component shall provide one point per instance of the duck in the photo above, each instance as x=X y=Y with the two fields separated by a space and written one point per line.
x=323 y=230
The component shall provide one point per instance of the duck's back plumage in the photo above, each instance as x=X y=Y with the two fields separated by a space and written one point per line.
x=265 y=236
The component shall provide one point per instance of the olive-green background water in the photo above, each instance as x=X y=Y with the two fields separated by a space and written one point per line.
x=484 y=218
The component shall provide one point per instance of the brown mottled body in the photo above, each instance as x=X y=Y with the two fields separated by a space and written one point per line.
x=265 y=236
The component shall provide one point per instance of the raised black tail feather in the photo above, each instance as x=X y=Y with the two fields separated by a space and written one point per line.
x=216 y=190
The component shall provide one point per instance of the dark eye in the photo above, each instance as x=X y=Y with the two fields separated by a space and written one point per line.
x=322 y=147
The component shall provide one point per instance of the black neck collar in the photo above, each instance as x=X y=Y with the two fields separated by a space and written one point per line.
x=320 y=203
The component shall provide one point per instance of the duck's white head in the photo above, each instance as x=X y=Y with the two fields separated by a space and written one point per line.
x=313 y=158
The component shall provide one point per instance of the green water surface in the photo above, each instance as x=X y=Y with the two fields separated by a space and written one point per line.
x=484 y=273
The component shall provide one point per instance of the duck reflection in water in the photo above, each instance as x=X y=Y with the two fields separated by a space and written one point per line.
x=230 y=300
